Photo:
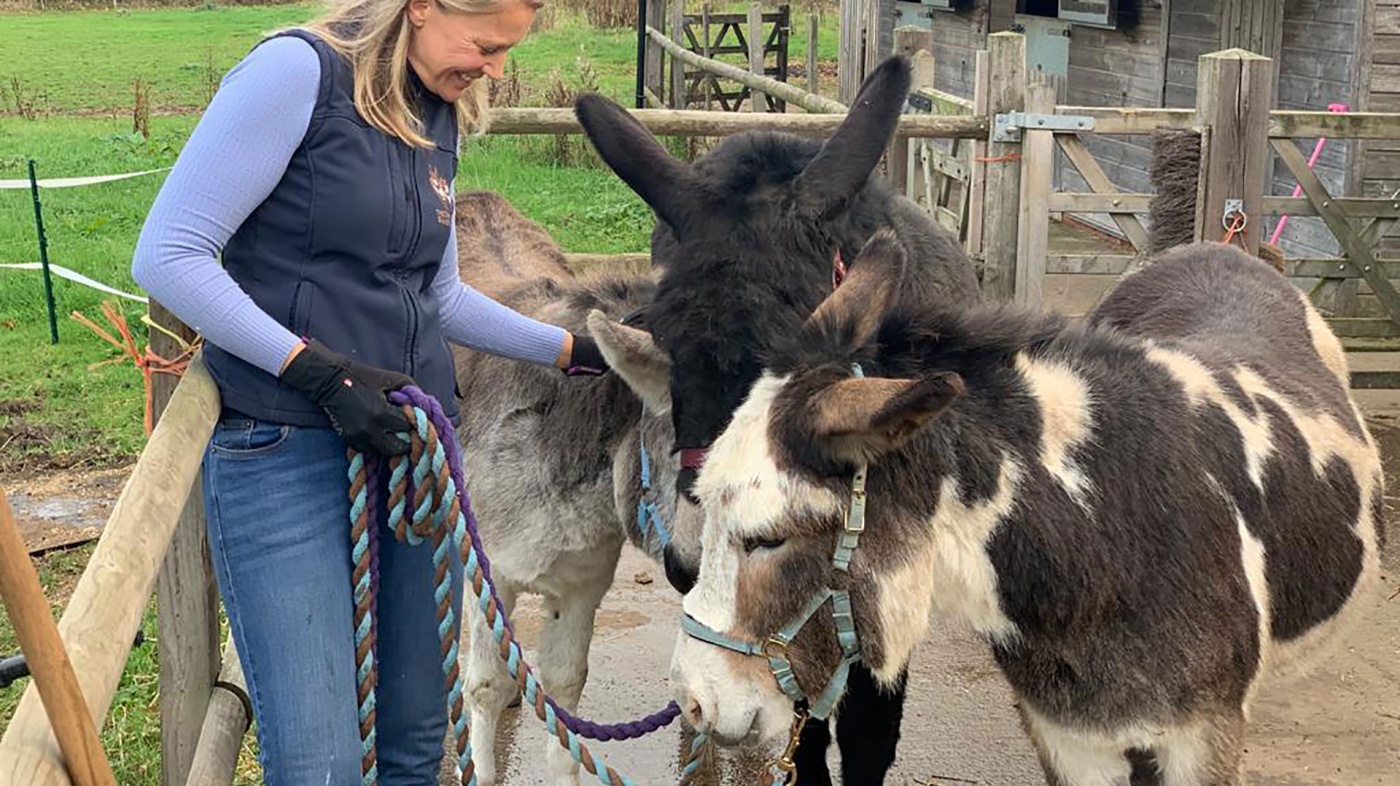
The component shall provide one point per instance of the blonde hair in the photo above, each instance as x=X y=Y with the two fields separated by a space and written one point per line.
x=374 y=35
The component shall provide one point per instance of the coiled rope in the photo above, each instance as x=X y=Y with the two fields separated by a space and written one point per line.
x=435 y=490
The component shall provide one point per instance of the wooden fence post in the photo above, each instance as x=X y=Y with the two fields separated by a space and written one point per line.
x=1006 y=81
x=187 y=599
x=655 y=63
x=705 y=81
x=917 y=45
x=1037 y=181
x=758 y=102
x=813 y=33
x=1234 y=93
x=675 y=28
x=976 y=166
x=851 y=65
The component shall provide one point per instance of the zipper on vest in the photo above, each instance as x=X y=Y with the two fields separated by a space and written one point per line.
x=411 y=338
x=417 y=201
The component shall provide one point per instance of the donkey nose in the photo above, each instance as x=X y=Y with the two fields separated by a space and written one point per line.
x=681 y=579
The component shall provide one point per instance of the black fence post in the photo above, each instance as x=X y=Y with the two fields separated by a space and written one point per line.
x=43 y=254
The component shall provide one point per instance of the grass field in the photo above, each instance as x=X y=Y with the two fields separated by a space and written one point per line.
x=66 y=93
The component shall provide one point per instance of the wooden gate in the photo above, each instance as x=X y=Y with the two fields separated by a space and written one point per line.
x=716 y=35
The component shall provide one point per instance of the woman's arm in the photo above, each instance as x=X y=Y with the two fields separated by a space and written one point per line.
x=474 y=320
x=236 y=155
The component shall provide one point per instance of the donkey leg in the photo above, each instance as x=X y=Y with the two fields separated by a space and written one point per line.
x=810 y=756
x=867 y=729
x=489 y=686
x=1071 y=757
x=565 y=640
x=1207 y=754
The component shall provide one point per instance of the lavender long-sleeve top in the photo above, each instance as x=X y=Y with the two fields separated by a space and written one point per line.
x=232 y=161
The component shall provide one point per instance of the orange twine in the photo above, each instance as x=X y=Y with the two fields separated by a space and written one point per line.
x=148 y=362
x=1237 y=228
x=999 y=159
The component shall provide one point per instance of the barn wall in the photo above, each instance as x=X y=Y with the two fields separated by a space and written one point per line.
x=957 y=38
x=1321 y=42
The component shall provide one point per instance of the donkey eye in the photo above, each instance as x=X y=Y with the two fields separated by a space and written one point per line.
x=754 y=544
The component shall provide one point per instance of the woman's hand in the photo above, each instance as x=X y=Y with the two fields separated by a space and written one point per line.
x=580 y=356
x=354 y=395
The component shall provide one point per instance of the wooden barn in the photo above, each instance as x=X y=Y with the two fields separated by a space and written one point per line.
x=1342 y=54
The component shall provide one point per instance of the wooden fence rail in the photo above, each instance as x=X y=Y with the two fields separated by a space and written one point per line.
x=106 y=607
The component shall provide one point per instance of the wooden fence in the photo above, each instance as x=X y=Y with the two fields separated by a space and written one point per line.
x=153 y=541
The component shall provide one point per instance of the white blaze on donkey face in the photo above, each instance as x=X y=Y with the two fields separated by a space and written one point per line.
x=744 y=493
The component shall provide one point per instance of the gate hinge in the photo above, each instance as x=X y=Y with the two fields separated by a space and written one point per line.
x=1008 y=126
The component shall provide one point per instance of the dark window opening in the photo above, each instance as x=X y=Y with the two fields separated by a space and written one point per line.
x=1049 y=8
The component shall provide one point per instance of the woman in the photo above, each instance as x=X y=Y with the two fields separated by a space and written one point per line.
x=322 y=173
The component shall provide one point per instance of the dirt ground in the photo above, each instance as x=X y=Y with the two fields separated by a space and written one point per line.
x=1339 y=726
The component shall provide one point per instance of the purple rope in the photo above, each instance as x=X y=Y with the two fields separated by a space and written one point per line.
x=580 y=726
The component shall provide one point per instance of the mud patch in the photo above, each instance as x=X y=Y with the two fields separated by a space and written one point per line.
x=64 y=508
x=28 y=448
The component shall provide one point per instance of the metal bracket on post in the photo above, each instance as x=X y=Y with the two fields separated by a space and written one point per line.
x=1008 y=127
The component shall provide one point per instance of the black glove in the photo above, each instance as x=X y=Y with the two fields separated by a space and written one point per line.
x=585 y=358
x=355 y=397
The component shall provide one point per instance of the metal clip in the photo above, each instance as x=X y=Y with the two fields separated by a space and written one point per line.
x=1233 y=207
x=1008 y=126
x=784 y=763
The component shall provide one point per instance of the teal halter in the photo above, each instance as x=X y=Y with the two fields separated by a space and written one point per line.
x=775 y=647
x=648 y=516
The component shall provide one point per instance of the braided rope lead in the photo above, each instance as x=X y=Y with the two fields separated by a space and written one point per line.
x=436 y=478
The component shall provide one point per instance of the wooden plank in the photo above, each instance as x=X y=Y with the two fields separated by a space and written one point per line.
x=105 y=608
x=1094 y=175
x=223 y=727
x=1130 y=120
x=813 y=30
x=758 y=102
x=1006 y=81
x=1234 y=92
x=916 y=45
x=945 y=103
x=1387 y=21
x=1114 y=203
x=850 y=66
x=52 y=672
x=655 y=68
x=1383 y=124
x=977 y=166
x=1335 y=268
x=1037 y=182
x=186 y=595
x=1086 y=264
x=1364 y=328
x=1359 y=254
x=1349 y=206
x=675 y=24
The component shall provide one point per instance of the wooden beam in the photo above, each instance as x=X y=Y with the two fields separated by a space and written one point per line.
x=1079 y=155
x=1127 y=120
x=221 y=732
x=850 y=68
x=813 y=34
x=1349 y=206
x=1359 y=254
x=1037 y=182
x=1087 y=264
x=1289 y=124
x=790 y=93
x=655 y=77
x=186 y=595
x=675 y=22
x=694 y=122
x=1006 y=81
x=1233 y=95
x=758 y=102
x=1111 y=203
x=106 y=606
x=64 y=710
x=977 y=166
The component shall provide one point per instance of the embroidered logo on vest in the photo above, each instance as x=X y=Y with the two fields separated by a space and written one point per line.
x=443 y=189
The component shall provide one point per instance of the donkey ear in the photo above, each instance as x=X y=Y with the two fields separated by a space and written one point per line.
x=868 y=290
x=849 y=156
x=634 y=155
x=863 y=418
x=636 y=357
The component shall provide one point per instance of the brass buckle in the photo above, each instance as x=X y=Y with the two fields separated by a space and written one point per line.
x=784 y=764
x=774 y=642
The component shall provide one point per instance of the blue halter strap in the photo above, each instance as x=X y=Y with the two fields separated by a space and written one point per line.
x=648 y=516
x=775 y=647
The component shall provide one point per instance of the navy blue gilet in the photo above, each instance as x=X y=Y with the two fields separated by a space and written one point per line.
x=346 y=247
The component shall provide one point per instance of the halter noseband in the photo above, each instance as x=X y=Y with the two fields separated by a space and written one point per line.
x=775 y=647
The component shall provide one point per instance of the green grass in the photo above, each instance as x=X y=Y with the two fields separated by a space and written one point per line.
x=131 y=736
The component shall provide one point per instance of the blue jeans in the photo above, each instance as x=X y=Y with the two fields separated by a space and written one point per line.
x=279 y=533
